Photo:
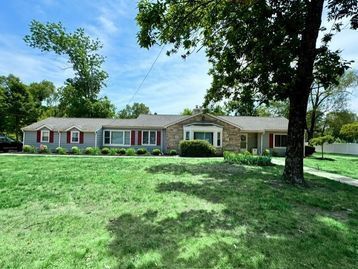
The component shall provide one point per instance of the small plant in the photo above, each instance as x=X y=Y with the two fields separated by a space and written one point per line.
x=266 y=152
x=173 y=152
x=43 y=149
x=141 y=151
x=112 y=151
x=121 y=151
x=130 y=152
x=196 y=148
x=248 y=153
x=240 y=158
x=105 y=151
x=28 y=149
x=88 y=151
x=96 y=151
x=60 y=150
x=75 y=150
x=156 y=152
x=320 y=141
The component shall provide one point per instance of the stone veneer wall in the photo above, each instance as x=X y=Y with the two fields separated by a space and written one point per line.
x=231 y=134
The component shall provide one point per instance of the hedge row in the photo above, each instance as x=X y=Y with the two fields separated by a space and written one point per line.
x=95 y=151
x=247 y=158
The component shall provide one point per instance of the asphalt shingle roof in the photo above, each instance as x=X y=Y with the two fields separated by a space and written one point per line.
x=157 y=121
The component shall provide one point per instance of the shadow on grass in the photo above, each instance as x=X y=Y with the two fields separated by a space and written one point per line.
x=261 y=225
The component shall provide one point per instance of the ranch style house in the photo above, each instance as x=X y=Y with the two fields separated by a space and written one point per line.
x=164 y=132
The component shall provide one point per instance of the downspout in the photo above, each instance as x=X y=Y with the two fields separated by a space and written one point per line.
x=262 y=140
x=59 y=138
x=95 y=139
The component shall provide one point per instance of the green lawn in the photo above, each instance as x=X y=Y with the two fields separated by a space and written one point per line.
x=61 y=212
x=346 y=165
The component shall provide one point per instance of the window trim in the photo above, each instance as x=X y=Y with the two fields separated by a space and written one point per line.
x=156 y=134
x=44 y=141
x=274 y=141
x=191 y=128
x=110 y=137
x=71 y=137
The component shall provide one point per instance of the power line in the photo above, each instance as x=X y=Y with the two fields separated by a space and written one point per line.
x=145 y=77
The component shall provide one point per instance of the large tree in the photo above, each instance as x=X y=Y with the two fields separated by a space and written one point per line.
x=326 y=98
x=267 y=48
x=84 y=59
x=133 y=111
x=336 y=119
x=18 y=108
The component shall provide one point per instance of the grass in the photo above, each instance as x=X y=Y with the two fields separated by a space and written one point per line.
x=64 y=212
x=346 y=165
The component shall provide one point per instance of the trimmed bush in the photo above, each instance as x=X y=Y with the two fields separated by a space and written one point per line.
x=141 y=151
x=309 y=150
x=112 y=151
x=121 y=151
x=156 y=152
x=130 y=152
x=266 y=152
x=105 y=151
x=196 y=148
x=75 y=150
x=173 y=152
x=29 y=149
x=239 y=158
x=43 y=149
x=60 y=150
x=88 y=151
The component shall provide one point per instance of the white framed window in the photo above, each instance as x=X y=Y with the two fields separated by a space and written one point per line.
x=218 y=141
x=45 y=136
x=117 y=137
x=211 y=133
x=243 y=142
x=208 y=136
x=187 y=135
x=279 y=140
x=149 y=138
x=75 y=137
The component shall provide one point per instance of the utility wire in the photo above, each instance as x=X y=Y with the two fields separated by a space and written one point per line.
x=145 y=77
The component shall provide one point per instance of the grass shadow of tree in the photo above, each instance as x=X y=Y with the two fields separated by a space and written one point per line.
x=262 y=225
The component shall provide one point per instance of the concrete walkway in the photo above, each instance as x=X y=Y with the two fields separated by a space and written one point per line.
x=319 y=173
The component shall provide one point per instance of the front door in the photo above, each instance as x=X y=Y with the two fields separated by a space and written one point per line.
x=243 y=142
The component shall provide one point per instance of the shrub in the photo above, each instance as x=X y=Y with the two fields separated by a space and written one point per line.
x=43 y=149
x=75 y=150
x=246 y=152
x=196 y=148
x=141 y=151
x=309 y=150
x=121 y=151
x=28 y=149
x=112 y=151
x=105 y=151
x=60 y=150
x=96 y=151
x=89 y=151
x=266 y=152
x=239 y=158
x=130 y=152
x=156 y=152
x=173 y=152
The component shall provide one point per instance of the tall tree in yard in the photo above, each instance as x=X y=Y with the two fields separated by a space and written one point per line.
x=266 y=47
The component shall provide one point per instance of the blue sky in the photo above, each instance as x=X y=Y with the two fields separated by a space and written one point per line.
x=173 y=83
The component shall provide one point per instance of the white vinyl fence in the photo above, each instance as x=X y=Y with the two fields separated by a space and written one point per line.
x=341 y=148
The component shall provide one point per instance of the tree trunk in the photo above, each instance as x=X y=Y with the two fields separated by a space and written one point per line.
x=322 y=151
x=310 y=130
x=299 y=94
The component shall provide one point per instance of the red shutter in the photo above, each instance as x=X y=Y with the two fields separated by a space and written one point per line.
x=68 y=137
x=81 y=137
x=271 y=141
x=158 y=138
x=133 y=138
x=139 y=137
x=51 y=136
x=38 y=136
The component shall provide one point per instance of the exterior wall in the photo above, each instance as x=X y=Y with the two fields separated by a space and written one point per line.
x=31 y=139
x=252 y=141
x=230 y=139
x=136 y=145
x=266 y=144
